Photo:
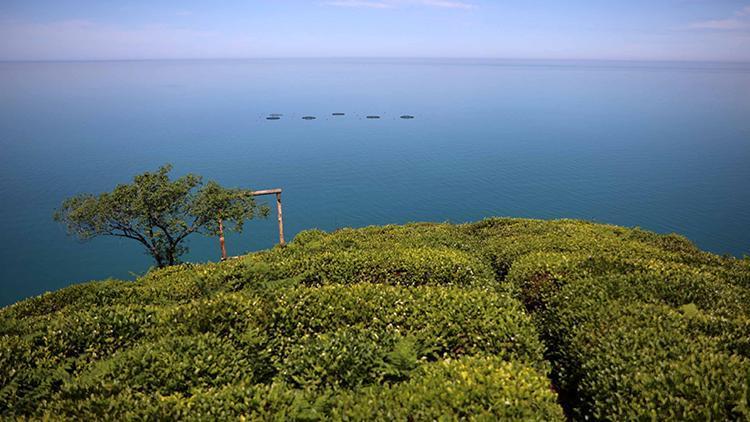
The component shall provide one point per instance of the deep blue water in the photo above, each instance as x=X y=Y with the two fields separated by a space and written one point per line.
x=663 y=146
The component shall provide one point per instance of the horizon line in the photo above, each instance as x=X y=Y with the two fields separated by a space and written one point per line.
x=486 y=58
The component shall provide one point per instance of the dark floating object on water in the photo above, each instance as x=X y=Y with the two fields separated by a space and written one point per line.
x=275 y=114
x=273 y=118
x=406 y=116
x=338 y=114
x=373 y=117
x=308 y=118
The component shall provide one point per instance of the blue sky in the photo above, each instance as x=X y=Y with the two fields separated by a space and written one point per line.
x=528 y=29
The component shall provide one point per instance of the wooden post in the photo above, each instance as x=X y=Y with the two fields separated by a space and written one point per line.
x=221 y=239
x=281 y=219
x=276 y=192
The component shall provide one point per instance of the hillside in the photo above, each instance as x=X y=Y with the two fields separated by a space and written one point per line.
x=504 y=318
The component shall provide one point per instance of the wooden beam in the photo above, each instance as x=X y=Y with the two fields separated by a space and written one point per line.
x=276 y=192
x=266 y=192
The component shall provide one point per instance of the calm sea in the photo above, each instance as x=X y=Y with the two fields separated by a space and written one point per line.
x=663 y=146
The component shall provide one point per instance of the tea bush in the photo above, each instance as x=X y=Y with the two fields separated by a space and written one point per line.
x=473 y=388
x=395 y=266
x=486 y=320
x=655 y=329
x=224 y=314
x=507 y=240
x=638 y=361
x=94 y=333
x=341 y=359
x=167 y=366
x=100 y=293
x=445 y=321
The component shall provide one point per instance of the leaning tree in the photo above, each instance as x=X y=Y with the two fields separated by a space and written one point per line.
x=160 y=213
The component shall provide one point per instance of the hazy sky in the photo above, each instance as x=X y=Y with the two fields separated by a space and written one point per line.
x=564 y=29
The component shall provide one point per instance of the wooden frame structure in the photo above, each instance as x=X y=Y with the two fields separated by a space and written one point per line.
x=279 y=216
x=276 y=192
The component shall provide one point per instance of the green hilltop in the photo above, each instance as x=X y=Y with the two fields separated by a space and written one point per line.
x=499 y=319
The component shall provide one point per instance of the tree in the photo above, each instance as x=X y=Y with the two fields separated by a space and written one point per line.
x=159 y=213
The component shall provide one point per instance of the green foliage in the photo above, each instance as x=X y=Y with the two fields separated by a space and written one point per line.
x=159 y=213
x=341 y=359
x=168 y=366
x=395 y=266
x=101 y=293
x=93 y=333
x=638 y=361
x=227 y=315
x=474 y=388
x=647 y=328
x=37 y=364
x=444 y=321
x=507 y=240
x=418 y=322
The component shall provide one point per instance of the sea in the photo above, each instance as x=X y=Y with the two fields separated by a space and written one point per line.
x=664 y=146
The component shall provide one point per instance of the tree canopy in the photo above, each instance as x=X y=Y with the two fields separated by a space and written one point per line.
x=159 y=213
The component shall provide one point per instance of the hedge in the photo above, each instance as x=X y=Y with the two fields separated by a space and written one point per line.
x=423 y=321
x=394 y=266
x=168 y=366
x=642 y=338
x=472 y=388
x=639 y=361
x=444 y=321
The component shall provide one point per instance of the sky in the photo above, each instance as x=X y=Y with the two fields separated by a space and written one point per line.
x=700 y=30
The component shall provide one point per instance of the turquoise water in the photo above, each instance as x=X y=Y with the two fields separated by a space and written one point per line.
x=664 y=146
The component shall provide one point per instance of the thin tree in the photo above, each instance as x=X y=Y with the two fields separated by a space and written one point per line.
x=159 y=213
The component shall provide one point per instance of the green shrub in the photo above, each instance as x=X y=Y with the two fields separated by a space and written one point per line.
x=127 y=405
x=414 y=235
x=403 y=267
x=340 y=359
x=15 y=354
x=540 y=276
x=445 y=321
x=473 y=388
x=736 y=271
x=617 y=357
x=30 y=389
x=236 y=401
x=308 y=237
x=22 y=384
x=601 y=310
x=60 y=344
x=93 y=333
x=483 y=388
x=414 y=322
x=732 y=335
x=35 y=366
x=183 y=283
x=172 y=365
x=224 y=314
x=275 y=401
x=97 y=293
x=644 y=362
x=188 y=282
x=507 y=240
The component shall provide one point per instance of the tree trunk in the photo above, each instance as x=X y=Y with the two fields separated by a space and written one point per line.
x=160 y=261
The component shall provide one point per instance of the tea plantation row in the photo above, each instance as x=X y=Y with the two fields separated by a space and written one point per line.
x=504 y=318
